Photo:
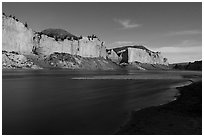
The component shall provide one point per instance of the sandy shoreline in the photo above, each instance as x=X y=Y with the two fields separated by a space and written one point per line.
x=180 y=117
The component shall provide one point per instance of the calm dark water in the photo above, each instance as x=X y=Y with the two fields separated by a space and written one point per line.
x=51 y=102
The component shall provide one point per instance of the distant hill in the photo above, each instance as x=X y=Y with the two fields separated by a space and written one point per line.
x=197 y=65
x=57 y=33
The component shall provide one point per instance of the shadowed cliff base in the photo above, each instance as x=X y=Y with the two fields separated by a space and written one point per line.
x=180 y=117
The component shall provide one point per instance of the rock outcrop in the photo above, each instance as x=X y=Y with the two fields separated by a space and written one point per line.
x=132 y=54
x=16 y=36
x=25 y=48
x=19 y=38
x=51 y=48
x=83 y=47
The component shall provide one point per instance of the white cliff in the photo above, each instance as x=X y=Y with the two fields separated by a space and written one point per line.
x=83 y=47
x=142 y=56
x=16 y=36
x=131 y=54
x=19 y=41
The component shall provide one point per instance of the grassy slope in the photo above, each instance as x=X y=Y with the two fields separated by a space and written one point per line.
x=68 y=61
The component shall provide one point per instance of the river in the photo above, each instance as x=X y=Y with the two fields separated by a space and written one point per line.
x=57 y=102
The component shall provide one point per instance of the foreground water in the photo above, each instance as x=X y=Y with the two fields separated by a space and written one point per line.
x=81 y=102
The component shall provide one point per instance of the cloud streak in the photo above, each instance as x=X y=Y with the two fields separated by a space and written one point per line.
x=124 y=42
x=185 y=32
x=127 y=24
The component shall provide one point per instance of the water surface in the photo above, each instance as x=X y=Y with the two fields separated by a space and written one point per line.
x=56 y=102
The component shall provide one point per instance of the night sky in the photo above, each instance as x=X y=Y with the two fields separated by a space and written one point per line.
x=175 y=29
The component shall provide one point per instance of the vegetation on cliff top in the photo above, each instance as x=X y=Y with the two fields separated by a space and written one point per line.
x=57 y=33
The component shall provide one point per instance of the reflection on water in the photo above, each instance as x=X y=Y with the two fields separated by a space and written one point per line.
x=51 y=102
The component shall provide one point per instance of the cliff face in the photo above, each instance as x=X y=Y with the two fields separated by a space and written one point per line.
x=56 y=43
x=131 y=54
x=52 y=48
x=16 y=36
x=19 y=38
x=143 y=56
x=83 y=47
